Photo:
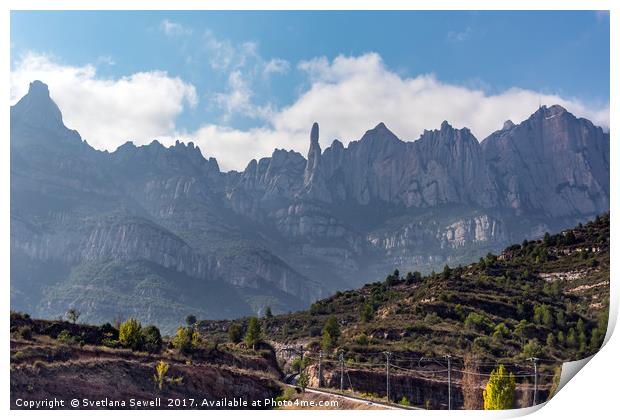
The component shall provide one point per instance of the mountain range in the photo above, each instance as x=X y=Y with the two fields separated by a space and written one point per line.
x=160 y=232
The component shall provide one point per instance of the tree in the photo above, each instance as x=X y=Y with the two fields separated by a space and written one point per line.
x=191 y=320
x=303 y=380
x=253 y=334
x=73 y=315
x=520 y=330
x=392 y=279
x=268 y=313
x=404 y=401
x=331 y=332
x=186 y=340
x=560 y=319
x=152 y=341
x=414 y=277
x=571 y=338
x=561 y=338
x=235 y=333
x=130 y=334
x=367 y=313
x=499 y=393
x=470 y=384
x=532 y=348
x=500 y=331
x=446 y=272
x=550 y=340
x=327 y=342
x=161 y=369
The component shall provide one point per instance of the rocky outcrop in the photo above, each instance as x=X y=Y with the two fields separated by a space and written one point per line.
x=287 y=229
x=553 y=163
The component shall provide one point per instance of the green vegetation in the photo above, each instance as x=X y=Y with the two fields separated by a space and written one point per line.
x=186 y=341
x=191 y=320
x=253 y=335
x=161 y=369
x=130 y=334
x=151 y=339
x=331 y=332
x=25 y=333
x=235 y=333
x=499 y=394
x=303 y=380
x=502 y=307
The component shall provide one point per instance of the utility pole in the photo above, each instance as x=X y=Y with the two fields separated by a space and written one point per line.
x=320 y=371
x=387 y=374
x=535 y=361
x=341 y=370
x=449 y=357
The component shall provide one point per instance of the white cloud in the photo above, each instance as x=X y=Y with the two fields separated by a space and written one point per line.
x=276 y=66
x=350 y=95
x=460 y=36
x=244 y=67
x=107 y=112
x=347 y=96
x=174 y=29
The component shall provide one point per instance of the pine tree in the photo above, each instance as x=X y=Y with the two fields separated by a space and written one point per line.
x=499 y=393
x=253 y=335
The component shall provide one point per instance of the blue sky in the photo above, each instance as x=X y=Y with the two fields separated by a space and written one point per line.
x=256 y=79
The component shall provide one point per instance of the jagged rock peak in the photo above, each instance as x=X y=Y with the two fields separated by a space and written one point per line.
x=38 y=108
x=381 y=126
x=551 y=111
x=380 y=133
x=445 y=125
x=508 y=124
x=38 y=89
x=314 y=134
x=314 y=154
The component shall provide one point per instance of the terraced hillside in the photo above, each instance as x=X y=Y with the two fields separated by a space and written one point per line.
x=546 y=299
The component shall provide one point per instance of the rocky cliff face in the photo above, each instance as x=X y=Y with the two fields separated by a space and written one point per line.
x=553 y=163
x=287 y=229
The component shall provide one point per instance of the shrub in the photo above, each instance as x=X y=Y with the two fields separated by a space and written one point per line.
x=303 y=381
x=25 y=332
x=367 y=313
x=235 y=333
x=65 y=337
x=191 y=320
x=161 y=369
x=130 y=334
x=152 y=341
x=361 y=339
x=500 y=331
x=478 y=322
x=186 y=340
x=404 y=401
x=531 y=349
x=315 y=331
